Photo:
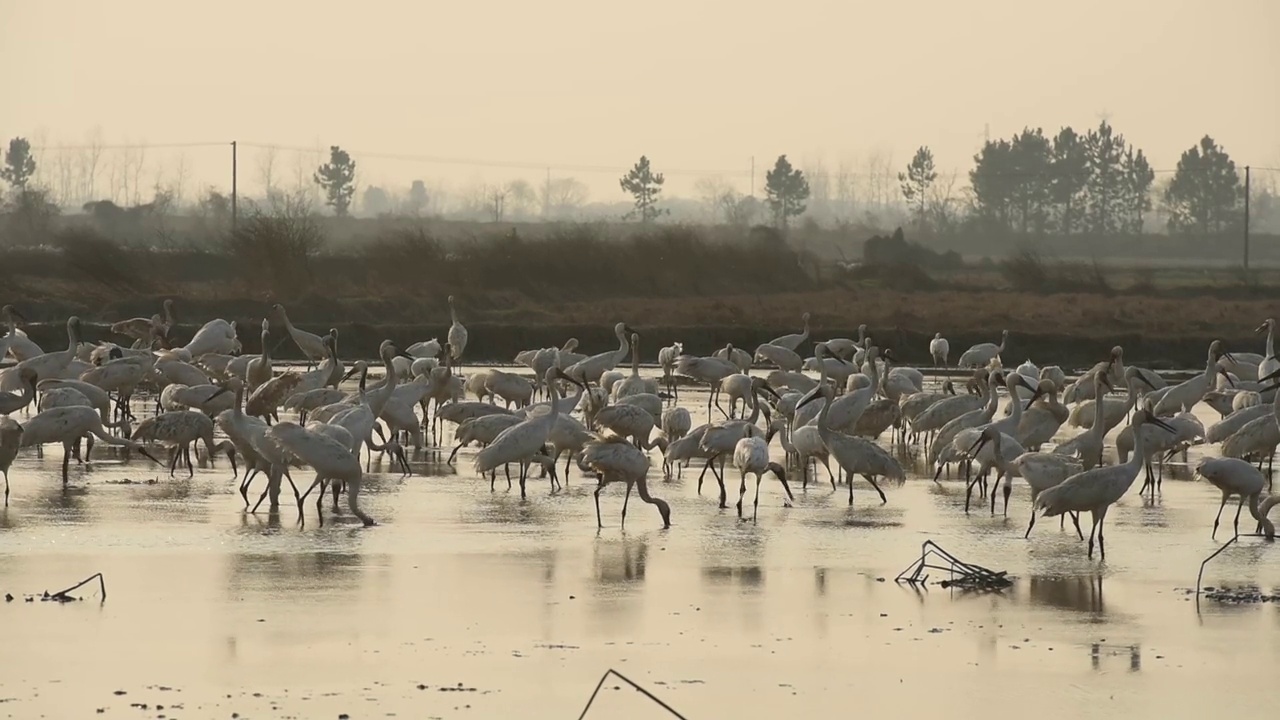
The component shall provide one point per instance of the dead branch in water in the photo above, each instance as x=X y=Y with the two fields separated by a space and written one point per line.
x=967 y=576
x=628 y=681
x=62 y=595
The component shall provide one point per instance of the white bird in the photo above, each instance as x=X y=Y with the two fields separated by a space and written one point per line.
x=1041 y=471
x=737 y=356
x=258 y=371
x=311 y=344
x=10 y=441
x=147 y=329
x=520 y=442
x=667 y=361
x=329 y=458
x=589 y=370
x=853 y=454
x=793 y=341
x=1114 y=410
x=939 y=348
x=425 y=349
x=1087 y=446
x=751 y=456
x=1186 y=394
x=1041 y=419
x=937 y=415
x=457 y=336
x=215 y=336
x=708 y=370
x=1269 y=363
x=616 y=460
x=783 y=357
x=972 y=419
x=16 y=342
x=1098 y=489
x=1236 y=477
x=633 y=384
x=513 y=389
x=67 y=425
x=483 y=430
x=983 y=353
x=13 y=402
x=48 y=365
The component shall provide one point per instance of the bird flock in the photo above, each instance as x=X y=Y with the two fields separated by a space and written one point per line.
x=602 y=414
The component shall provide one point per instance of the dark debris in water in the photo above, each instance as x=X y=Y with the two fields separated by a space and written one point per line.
x=1242 y=595
x=960 y=574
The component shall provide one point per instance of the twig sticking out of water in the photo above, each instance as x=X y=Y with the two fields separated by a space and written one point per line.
x=628 y=681
x=967 y=576
x=63 y=596
x=1214 y=554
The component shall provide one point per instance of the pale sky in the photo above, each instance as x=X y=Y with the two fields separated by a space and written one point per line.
x=695 y=84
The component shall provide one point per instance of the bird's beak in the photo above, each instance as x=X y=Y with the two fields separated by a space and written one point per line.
x=1260 y=328
x=221 y=389
x=1273 y=376
x=350 y=372
x=149 y=456
x=1223 y=372
x=782 y=478
x=18 y=315
x=1145 y=381
x=1160 y=423
x=769 y=389
x=1035 y=395
x=565 y=376
x=630 y=330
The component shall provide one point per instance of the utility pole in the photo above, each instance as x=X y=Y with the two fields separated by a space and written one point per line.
x=235 y=212
x=1246 y=218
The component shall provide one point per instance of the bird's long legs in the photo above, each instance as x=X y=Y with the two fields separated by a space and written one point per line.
x=1218 y=517
x=625 y=500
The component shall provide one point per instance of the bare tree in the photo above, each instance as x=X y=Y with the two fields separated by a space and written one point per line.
x=90 y=158
x=563 y=197
x=943 y=204
x=819 y=190
x=711 y=191
x=846 y=190
x=66 y=179
x=266 y=170
x=139 y=157
x=181 y=174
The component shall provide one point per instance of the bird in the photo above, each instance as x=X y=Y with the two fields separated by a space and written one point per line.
x=939 y=348
x=16 y=342
x=1041 y=471
x=1098 y=489
x=853 y=454
x=10 y=440
x=48 y=365
x=793 y=341
x=177 y=429
x=1269 y=362
x=312 y=346
x=1186 y=394
x=424 y=349
x=258 y=370
x=13 y=402
x=520 y=442
x=457 y=336
x=708 y=370
x=783 y=357
x=737 y=356
x=982 y=353
x=1088 y=444
x=67 y=425
x=1234 y=477
x=589 y=370
x=751 y=456
x=667 y=361
x=215 y=336
x=149 y=329
x=616 y=460
x=633 y=384
x=328 y=457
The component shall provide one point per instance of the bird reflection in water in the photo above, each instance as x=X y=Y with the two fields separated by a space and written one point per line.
x=1097 y=651
x=1079 y=593
x=745 y=577
x=620 y=562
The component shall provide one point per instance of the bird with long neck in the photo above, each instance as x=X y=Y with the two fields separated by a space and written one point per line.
x=1098 y=489
x=520 y=442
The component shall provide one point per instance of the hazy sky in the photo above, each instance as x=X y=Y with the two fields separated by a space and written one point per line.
x=695 y=84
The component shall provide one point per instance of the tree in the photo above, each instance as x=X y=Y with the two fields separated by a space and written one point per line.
x=375 y=201
x=1205 y=191
x=786 y=190
x=338 y=180
x=1029 y=181
x=990 y=184
x=417 y=200
x=644 y=186
x=1135 y=190
x=563 y=197
x=1105 y=150
x=19 y=164
x=1069 y=172
x=916 y=180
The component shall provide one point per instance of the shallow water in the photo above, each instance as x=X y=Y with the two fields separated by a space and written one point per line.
x=466 y=603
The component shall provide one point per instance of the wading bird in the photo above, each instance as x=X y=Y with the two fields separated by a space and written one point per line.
x=1098 y=489
x=616 y=460
x=751 y=456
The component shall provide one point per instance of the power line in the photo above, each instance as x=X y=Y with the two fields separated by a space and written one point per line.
x=129 y=146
